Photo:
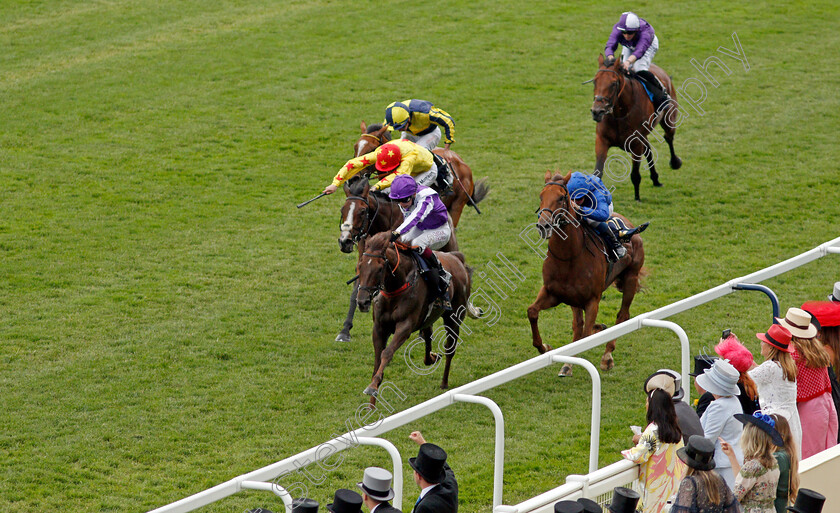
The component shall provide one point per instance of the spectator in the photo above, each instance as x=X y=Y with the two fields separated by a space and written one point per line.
x=624 y=500
x=788 y=462
x=757 y=481
x=702 y=490
x=813 y=387
x=377 y=491
x=345 y=501
x=438 y=487
x=656 y=448
x=808 y=501
x=304 y=505
x=826 y=316
x=590 y=506
x=776 y=379
x=742 y=359
x=701 y=363
x=721 y=379
x=568 y=507
x=835 y=295
x=671 y=382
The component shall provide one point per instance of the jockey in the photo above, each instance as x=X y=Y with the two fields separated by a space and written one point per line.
x=392 y=159
x=639 y=45
x=426 y=226
x=421 y=122
x=594 y=202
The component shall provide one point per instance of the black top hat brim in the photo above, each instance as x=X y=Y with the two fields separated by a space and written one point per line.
x=432 y=479
x=774 y=435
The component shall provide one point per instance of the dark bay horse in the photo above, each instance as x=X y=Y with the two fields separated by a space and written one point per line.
x=364 y=214
x=576 y=271
x=463 y=187
x=625 y=117
x=390 y=282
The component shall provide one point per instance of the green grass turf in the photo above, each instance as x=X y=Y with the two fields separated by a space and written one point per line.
x=167 y=315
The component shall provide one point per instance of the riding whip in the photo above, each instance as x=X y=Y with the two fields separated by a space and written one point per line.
x=313 y=199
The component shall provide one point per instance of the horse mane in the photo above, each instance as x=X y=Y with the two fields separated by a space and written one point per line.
x=357 y=185
x=377 y=127
x=378 y=242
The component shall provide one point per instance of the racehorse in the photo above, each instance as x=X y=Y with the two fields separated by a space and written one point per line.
x=364 y=214
x=463 y=188
x=403 y=303
x=625 y=117
x=576 y=271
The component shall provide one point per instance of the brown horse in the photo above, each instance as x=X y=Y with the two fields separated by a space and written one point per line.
x=463 y=188
x=364 y=214
x=576 y=271
x=625 y=117
x=403 y=303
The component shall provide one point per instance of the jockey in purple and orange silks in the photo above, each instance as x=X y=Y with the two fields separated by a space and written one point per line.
x=639 y=45
x=426 y=226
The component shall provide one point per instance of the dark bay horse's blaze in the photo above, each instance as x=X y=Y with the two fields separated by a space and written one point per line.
x=390 y=285
x=625 y=117
x=374 y=136
x=576 y=272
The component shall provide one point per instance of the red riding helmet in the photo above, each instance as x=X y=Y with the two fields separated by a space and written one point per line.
x=388 y=158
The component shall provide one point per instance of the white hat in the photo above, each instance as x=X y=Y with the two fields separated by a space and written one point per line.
x=835 y=296
x=631 y=23
x=798 y=322
x=720 y=379
x=377 y=484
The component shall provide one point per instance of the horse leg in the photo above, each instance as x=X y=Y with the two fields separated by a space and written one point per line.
x=431 y=357
x=400 y=336
x=651 y=160
x=544 y=301
x=675 y=162
x=344 y=334
x=577 y=334
x=636 y=177
x=380 y=338
x=451 y=333
x=601 y=149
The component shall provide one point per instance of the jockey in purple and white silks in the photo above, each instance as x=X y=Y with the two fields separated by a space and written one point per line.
x=639 y=45
x=425 y=225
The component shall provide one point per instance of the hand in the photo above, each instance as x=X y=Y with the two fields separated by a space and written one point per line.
x=636 y=439
x=725 y=447
x=395 y=235
x=625 y=65
x=609 y=60
x=330 y=189
x=417 y=437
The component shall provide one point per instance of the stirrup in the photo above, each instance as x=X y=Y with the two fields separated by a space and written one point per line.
x=442 y=302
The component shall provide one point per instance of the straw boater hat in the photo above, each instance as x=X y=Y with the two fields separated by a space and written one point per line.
x=720 y=379
x=764 y=422
x=377 y=484
x=777 y=336
x=835 y=295
x=699 y=453
x=798 y=322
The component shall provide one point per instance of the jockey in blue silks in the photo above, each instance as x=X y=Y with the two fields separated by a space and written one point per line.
x=594 y=202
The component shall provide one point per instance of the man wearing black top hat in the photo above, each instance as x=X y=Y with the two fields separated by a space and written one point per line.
x=377 y=491
x=438 y=487
x=345 y=501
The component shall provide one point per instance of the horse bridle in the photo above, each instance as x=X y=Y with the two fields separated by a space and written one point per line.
x=381 y=285
x=365 y=230
x=378 y=139
x=563 y=221
x=612 y=101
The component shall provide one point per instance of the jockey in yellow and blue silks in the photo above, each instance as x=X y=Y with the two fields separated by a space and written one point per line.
x=594 y=202
x=421 y=122
x=391 y=159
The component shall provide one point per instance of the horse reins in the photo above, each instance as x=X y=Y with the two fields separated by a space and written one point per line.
x=365 y=230
x=611 y=104
x=539 y=212
x=381 y=286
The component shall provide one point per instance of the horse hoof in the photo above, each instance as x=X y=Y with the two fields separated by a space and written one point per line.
x=657 y=184
x=638 y=199
x=431 y=359
x=546 y=348
x=676 y=163
x=342 y=337
x=566 y=371
x=371 y=392
x=607 y=363
x=599 y=328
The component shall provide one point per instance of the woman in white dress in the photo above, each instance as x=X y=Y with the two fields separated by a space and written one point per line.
x=776 y=379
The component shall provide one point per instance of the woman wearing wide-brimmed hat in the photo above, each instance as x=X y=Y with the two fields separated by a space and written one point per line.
x=758 y=478
x=702 y=489
x=721 y=380
x=813 y=386
x=776 y=379
x=827 y=317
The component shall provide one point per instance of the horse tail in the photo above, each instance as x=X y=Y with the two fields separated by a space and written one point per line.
x=473 y=312
x=480 y=190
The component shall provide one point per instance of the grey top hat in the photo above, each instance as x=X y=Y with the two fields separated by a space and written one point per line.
x=720 y=379
x=835 y=295
x=377 y=484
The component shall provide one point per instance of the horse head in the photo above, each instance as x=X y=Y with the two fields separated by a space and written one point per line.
x=379 y=259
x=372 y=137
x=609 y=84
x=555 y=211
x=356 y=217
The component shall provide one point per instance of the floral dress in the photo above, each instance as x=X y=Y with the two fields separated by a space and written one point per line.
x=662 y=470
x=692 y=498
x=778 y=395
x=755 y=487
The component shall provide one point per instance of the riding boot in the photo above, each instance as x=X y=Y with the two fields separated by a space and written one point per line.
x=626 y=235
x=617 y=249
x=438 y=279
x=660 y=96
x=444 y=181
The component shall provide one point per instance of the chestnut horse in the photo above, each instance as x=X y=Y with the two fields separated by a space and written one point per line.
x=576 y=271
x=403 y=303
x=365 y=214
x=463 y=188
x=625 y=117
